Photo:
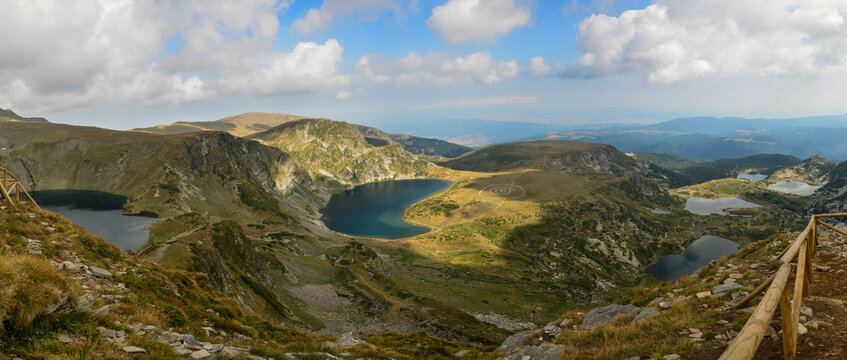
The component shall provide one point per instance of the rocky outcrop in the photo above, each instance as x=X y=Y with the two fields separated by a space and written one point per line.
x=605 y=315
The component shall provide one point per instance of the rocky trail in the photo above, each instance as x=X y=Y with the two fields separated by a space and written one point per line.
x=825 y=317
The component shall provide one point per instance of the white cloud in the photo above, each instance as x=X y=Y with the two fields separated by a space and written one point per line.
x=342 y=95
x=437 y=68
x=683 y=39
x=538 y=66
x=309 y=67
x=482 y=21
x=320 y=19
x=66 y=55
x=488 y=101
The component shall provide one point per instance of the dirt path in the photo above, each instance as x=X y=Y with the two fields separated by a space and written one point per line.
x=827 y=336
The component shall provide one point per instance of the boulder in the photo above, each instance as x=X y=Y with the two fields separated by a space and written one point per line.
x=546 y=351
x=133 y=350
x=347 y=340
x=645 y=314
x=725 y=287
x=100 y=272
x=200 y=354
x=606 y=314
x=515 y=342
x=107 y=333
x=64 y=339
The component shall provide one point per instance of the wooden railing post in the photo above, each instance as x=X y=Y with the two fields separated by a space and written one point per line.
x=799 y=287
x=789 y=347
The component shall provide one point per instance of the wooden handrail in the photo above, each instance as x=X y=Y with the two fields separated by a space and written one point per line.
x=10 y=185
x=744 y=346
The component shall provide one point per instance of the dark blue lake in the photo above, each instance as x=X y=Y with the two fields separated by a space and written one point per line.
x=100 y=213
x=376 y=209
x=695 y=256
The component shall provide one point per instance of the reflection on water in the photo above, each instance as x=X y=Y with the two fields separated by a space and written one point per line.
x=794 y=187
x=701 y=206
x=100 y=213
x=376 y=209
x=695 y=256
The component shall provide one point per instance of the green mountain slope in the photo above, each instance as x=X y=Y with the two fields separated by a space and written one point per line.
x=94 y=301
x=414 y=144
x=814 y=170
x=340 y=152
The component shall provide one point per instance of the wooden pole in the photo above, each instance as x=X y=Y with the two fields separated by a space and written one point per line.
x=753 y=293
x=799 y=285
x=788 y=329
x=833 y=228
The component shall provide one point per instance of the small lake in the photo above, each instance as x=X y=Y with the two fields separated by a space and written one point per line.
x=100 y=213
x=752 y=177
x=695 y=256
x=376 y=209
x=701 y=206
x=794 y=187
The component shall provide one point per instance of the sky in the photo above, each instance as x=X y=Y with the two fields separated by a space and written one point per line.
x=124 y=64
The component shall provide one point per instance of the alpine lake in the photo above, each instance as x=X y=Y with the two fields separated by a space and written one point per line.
x=100 y=213
x=376 y=209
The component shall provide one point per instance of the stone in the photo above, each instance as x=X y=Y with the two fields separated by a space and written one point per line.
x=633 y=358
x=665 y=305
x=213 y=348
x=801 y=330
x=100 y=272
x=736 y=276
x=770 y=332
x=192 y=344
x=200 y=354
x=347 y=340
x=823 y=268
x=462 y=353
x=107 y=333
x=703 y=294
x=805 y=310
x=64 y=339
x=180 y=350
x=133 y=350
x=645 y=314
x=230 y=352
x=723 y=322
x=816 y=324
x=546 y=351
x=725 y=287
x=514 y=342
x=565 y=323
x=101 y=311
x=671 y=357
x=604 y=315
x=552 y=330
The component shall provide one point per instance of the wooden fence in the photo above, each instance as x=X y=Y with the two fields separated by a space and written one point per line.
x=12 y=190
x=779 y=295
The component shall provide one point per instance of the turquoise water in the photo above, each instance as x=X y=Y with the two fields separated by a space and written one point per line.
x=752 y=177
x=701 y=206
x=695 y=256
x=376 y=209
x=100 y=213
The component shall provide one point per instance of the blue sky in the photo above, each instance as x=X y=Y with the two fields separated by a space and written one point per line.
x=130 y=64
